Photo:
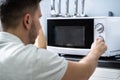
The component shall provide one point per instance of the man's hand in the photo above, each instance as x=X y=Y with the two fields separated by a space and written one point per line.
x=98 y=47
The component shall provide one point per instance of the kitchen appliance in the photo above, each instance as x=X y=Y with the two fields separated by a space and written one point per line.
x=59 y=9
x=83 y=8
x=67 y=9
x=53 y=11
x=74 y=36
x=76 y=14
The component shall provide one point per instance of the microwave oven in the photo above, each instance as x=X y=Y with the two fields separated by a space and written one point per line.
x=74 y=36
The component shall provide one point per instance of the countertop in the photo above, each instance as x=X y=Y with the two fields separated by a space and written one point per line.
x=106 y=74
x=104 y=62
x=108 y=67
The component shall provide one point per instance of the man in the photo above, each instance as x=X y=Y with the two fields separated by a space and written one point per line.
x=21 y=60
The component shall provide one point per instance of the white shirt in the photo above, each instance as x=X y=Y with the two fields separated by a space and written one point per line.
x=27 y=62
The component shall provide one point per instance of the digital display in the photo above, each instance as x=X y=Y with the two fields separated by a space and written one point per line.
x=70 y=36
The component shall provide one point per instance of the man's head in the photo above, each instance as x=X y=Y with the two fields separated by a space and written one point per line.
x=21 y=12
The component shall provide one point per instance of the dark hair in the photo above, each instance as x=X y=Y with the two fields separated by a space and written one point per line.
x=11 y=11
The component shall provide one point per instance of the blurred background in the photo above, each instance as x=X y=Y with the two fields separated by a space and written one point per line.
x=93 y=8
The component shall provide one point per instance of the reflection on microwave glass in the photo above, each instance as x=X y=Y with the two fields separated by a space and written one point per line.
x=70 y=36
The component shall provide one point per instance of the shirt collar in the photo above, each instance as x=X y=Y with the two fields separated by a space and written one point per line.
x=5 y=36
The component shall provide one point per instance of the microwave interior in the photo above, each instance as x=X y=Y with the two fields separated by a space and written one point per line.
x=70 y=33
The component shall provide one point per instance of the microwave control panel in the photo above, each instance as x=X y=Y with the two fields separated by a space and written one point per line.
x=99 y=29
x=108 y=29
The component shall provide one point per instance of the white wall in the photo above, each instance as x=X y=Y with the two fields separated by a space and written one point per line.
x=92 y=8
x=45 y=9
x=102 y=7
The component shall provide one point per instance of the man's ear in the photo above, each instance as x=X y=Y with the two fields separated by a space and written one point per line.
x=27 y=20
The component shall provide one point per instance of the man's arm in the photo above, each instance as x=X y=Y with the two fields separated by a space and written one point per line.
x=40 y=41
x=83 y=69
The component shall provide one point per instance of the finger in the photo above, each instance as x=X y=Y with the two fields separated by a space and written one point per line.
x=100 y=39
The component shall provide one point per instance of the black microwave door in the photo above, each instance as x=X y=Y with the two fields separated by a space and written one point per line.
x=77 y=33
x=69 y=36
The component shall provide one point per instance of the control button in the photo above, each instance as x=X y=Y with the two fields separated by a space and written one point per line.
x=99 y=27
x=101 y=37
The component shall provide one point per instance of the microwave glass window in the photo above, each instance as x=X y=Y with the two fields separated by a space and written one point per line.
x=70 y=36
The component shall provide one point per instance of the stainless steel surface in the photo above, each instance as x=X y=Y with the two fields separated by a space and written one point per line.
x=76 y=14
x=67 y=9
x=53 y=11
x=83 y=8
x=59 y=9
